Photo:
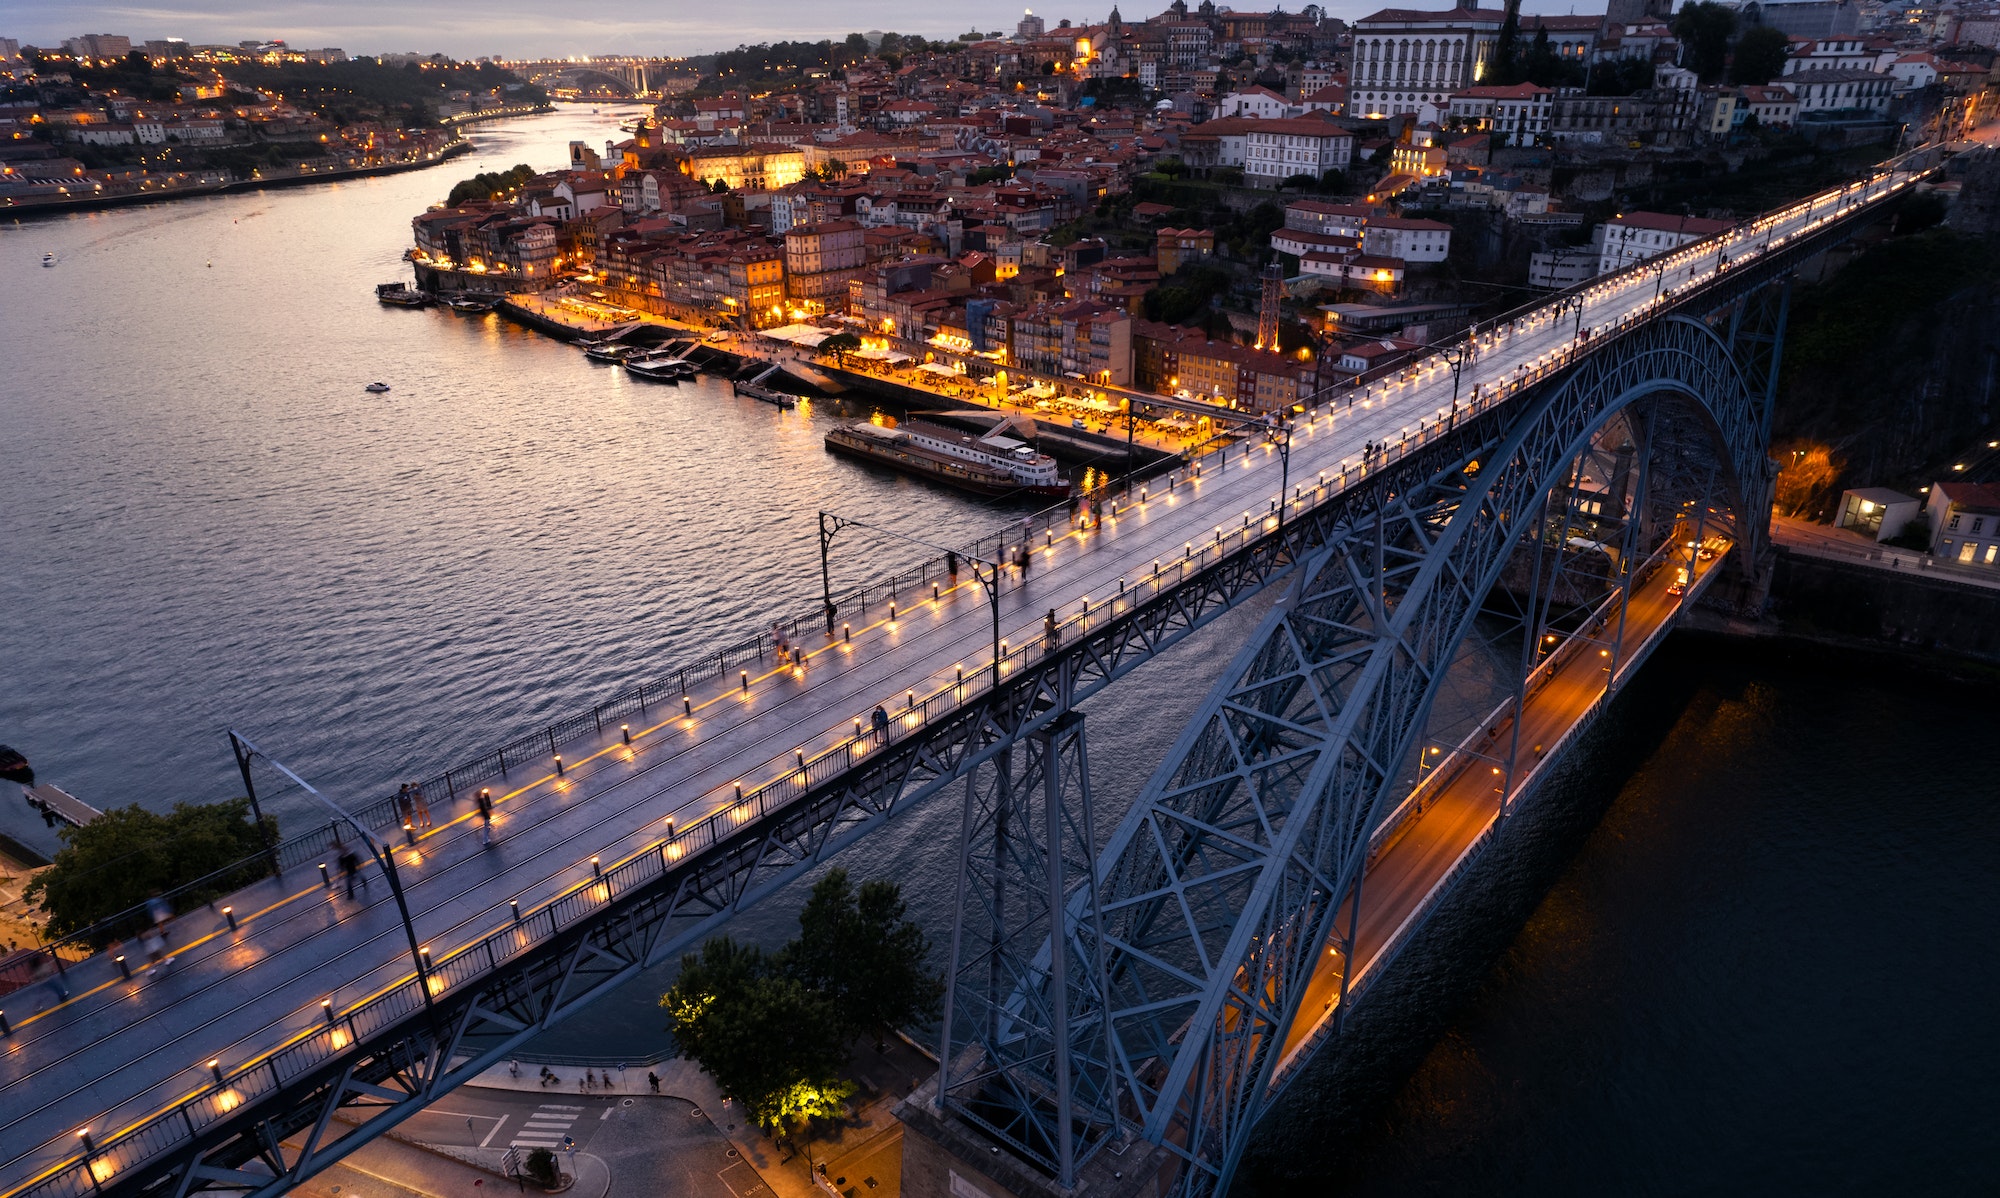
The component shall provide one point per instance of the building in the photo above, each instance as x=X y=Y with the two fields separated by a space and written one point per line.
x=820 y=259
x=1175 y=248
x=1831 y=54
x=1636 y=236
x=1259 y=102
x=1774 y=107
x=1877 y=511
x=1406 y=59
x=1562 y=267
x=1520 y=113
x=1320 y=216
x=1411 y=239
x=103 y=47
x=1842 y=91
x=755 y=168
x=1029 y=27
x=1964 y=520
x=1274 y=151
x=1715 y=116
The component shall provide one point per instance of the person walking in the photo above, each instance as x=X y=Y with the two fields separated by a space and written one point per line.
x=1051 y=631
x=653 y=1080
x=485 y=816
x=350 y=865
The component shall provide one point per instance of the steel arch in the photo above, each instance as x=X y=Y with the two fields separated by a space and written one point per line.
x=1224 y=880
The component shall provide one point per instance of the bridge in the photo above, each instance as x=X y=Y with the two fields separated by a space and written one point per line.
x=1528 y=509
x=605 y=77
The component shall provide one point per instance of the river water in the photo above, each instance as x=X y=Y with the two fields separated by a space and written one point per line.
x=1776 y=949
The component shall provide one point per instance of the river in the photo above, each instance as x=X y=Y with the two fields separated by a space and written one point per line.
x=1774 y=951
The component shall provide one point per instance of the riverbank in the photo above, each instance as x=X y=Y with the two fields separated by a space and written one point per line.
x=495 y=114
x=261 y=183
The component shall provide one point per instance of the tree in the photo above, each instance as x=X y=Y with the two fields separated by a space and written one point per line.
x=840 y=345
x=1298 y=183
x=1704 y=28
x=859 y=950
x=768 y=1040
x=541 y=1169
x=115 y=862
x=1760 y=55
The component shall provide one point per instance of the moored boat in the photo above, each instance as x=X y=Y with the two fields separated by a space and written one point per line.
x=659 y=366
x=989 y=465
x=472 y=304
x=401 y=295
x=612 y=352
x=15 y=768
x=376 y=388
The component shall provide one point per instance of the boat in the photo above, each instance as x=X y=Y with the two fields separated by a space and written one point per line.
x=661 y=366
x=612 y=352
x=48 y=259
x=376 y=388
x=401 y=295
x=986 y=465
x=15 y=768
x=472 y=304
x=769 y=395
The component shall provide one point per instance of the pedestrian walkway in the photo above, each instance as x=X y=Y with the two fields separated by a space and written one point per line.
x=1840 y=544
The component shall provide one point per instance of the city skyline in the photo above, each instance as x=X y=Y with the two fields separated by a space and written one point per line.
x=516 y=28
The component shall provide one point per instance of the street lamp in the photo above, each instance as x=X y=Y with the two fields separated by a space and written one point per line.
x=383 y=853
x=831 y=524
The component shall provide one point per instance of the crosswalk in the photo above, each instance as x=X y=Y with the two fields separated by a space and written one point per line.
x=546 y=1127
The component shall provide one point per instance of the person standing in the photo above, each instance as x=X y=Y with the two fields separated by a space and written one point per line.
x=423 y=808
x=405 y=810
x=485 y=816
x=653 y=1080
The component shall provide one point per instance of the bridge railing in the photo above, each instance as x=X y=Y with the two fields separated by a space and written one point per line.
x=325 y=1038
x=308 y=1050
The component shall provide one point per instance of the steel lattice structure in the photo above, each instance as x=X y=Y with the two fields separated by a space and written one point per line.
x=1141 y=993
x=1241 y=859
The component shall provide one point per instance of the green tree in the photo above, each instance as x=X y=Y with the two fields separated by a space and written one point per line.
x=859 y=950
x=119 y=859
x=1760 y=55
x=840 y=345
x=768 y=1040
x=1704 y=29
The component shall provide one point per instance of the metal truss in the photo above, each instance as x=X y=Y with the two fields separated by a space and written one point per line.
x=1217 y=889
x=1241 y=859
x=1026 y=848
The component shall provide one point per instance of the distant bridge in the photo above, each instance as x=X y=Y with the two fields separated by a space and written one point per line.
x=605 y=77
x=1528 y=509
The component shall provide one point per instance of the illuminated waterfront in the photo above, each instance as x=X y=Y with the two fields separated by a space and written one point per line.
x=208 y=523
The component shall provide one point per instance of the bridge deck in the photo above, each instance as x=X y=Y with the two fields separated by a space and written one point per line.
x=118 y=1050
x=1400 y=880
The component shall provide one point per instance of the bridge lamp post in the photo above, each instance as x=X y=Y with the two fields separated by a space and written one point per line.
x=383 y=853
x=831 y=523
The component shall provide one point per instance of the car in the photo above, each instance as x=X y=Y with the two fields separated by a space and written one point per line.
x=1677 y=588
x=1705 y=554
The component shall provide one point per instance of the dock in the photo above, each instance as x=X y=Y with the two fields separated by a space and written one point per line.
x=55 y=804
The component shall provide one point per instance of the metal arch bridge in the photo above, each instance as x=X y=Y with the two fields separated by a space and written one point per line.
x=1170 y=1015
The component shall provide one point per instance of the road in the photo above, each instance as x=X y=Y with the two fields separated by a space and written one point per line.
x=1461 y=810
x=118 y=1054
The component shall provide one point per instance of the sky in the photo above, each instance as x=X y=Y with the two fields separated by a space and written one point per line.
x=534 y=28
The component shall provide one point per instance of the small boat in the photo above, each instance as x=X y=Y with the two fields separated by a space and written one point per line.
x=472 y=304
x=611 y=352
x=401 y=295
x=15 y=768
x=376 y=388
x=659 y=366
x=769 y=395
x=48 y=259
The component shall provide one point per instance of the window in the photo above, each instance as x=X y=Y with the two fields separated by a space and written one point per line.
x=1953 y=526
